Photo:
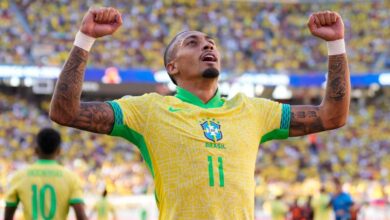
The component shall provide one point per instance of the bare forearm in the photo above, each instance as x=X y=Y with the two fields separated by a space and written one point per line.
x=305 y=119
x=80 y=212
x=333 y=111
x=66 y=98
x=9 y=213
x=335 y=104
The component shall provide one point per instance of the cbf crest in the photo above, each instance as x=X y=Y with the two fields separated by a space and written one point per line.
x=212 y=130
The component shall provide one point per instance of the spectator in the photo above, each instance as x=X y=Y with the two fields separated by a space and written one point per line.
x=341 y=202
x=266 y=37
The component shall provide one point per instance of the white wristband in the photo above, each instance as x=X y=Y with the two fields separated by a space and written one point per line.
x=336 y=47
x=84 y=41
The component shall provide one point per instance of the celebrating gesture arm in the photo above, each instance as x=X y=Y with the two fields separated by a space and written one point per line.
x=332 y=113
x=66 y=108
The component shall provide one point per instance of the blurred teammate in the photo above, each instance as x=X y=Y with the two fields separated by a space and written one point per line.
x=341 y=202
x=279 y=209
x=46 y=189
x=103 y=207
x=320 y=204
x=200 y=148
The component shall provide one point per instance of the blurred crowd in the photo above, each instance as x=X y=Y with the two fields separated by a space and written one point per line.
x=252 y=36
x=100 y=161
x=358 y=154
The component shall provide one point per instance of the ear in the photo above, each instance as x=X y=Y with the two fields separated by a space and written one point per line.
x=172 y=68
x=37 y=150
x=58 y=151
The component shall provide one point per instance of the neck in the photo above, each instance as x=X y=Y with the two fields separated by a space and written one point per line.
x=205 y=91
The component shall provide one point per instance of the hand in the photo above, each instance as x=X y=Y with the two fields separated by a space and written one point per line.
x=99 y=22
x=326 y=25
x=340 y=213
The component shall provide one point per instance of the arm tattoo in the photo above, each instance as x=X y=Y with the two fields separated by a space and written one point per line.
x=94 y=116
x=333 y=111
x=336 y=85
x=305 y=120
x=65 y=105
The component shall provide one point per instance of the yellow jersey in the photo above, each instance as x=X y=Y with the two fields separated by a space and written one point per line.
x=102 y=208
x=278 y=210
x=202 y=156
x=321 y=208
x=46 y=190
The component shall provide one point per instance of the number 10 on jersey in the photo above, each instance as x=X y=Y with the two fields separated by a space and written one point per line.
x=38 y=202
x=220 y=171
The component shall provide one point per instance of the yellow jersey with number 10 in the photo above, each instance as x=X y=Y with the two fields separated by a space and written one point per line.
x=202 y=156
x=46 y=190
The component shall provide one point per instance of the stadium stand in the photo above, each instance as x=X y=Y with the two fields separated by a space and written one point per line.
x=253 y=36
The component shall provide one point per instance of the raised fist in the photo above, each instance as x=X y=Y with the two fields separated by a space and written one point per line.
x=99 y=22
x=326 y=25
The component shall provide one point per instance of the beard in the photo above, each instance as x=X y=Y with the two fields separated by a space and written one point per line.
x=210 y=73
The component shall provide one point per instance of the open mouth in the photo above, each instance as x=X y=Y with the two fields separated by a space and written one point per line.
x=209 y=57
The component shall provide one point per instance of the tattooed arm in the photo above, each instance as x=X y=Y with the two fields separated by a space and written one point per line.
x=332 y=113
x=65 y=107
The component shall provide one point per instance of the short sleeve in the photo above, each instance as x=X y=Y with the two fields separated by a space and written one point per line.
x=131 y=115
x=274 y=118
x=76 y=196
x=11 y=196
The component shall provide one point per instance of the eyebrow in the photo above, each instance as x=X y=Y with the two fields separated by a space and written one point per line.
x=193 y=36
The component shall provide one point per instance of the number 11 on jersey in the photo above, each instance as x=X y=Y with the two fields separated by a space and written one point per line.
x=220 y=171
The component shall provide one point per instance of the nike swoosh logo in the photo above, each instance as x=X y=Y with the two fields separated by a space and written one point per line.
x=171 y=109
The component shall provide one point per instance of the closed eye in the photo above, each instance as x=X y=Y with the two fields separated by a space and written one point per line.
x=192 y=43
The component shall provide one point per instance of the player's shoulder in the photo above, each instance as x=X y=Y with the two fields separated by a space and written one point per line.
x=67 y=172
x=142 y=99
x=152 y=95
x=264 y=102
x=241 y=97
x=147 y=98
x=20 y=175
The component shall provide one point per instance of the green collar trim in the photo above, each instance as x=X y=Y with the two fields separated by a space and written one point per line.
x=187 y=96
x=42 y=161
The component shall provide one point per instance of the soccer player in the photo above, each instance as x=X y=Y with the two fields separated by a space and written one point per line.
x=200 y=148
x=321 y=205
x=46 y=189
x=103 y=208
x=279 y=208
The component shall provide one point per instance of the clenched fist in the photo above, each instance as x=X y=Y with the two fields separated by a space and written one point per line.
x=326 y=25
x=99 y=22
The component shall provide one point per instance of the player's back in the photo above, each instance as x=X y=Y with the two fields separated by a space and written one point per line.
x=103 y=207
x=46 y=190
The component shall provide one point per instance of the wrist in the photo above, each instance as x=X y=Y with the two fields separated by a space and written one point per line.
x=336 y=47
x=84 y=41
